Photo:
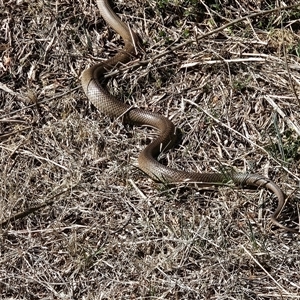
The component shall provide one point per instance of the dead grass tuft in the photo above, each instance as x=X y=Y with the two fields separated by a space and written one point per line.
x=100 y=229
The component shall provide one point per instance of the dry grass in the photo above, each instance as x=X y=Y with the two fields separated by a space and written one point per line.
x=104 y=230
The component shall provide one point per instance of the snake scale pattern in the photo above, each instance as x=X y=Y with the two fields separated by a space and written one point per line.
x=109 y=105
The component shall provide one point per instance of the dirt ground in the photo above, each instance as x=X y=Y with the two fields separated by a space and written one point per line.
x=79 y=220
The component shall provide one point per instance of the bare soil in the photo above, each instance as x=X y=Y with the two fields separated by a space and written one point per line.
x=79 y=220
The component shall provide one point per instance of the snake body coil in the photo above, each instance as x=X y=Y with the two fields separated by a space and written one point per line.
x=112 y=107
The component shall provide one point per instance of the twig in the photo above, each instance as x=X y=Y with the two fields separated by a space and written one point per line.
x=33 y=209
x=267 y=273
x=40 y=102
x=238 y=133
x=6 y=89
x=212 y=62
x=290 y=124
x=261 y=13
x=30 y=154
x=13 y=133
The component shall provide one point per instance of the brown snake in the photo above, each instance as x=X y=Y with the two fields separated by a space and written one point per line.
x=112 y=107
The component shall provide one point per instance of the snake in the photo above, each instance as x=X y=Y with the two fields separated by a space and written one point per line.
x=166 y=137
